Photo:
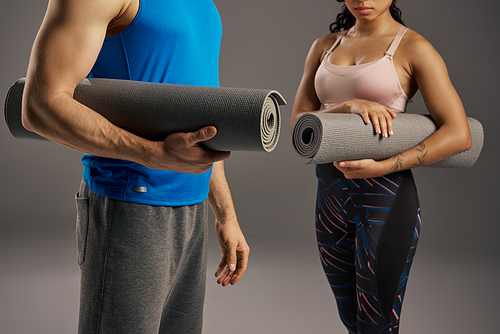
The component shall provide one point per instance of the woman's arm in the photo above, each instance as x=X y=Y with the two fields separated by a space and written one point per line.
x=429 y=71
x=306 y=99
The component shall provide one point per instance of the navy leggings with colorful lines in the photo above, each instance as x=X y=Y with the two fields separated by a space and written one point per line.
x=367 y=232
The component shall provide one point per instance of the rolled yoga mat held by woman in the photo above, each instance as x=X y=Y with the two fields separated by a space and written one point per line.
x=367 y=212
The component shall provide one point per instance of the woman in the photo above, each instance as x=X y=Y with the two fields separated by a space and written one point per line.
x=367 y=214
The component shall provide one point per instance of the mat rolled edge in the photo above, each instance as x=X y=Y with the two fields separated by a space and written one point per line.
x=117 y=101
x=12 y=112
x=324 y=138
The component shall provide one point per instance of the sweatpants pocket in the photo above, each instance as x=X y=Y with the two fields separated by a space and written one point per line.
x=82 y=225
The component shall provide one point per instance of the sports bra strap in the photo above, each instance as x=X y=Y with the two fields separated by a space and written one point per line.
x=337 y=42
x=395 y=43
x=392 y=48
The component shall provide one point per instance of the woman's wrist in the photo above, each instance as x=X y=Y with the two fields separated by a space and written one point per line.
x=385 y=166
x=346 y=107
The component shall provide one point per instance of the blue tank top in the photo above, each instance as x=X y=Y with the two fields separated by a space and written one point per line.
x=170 y=41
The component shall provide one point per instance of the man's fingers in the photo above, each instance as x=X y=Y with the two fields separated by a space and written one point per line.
x=242 y=267
x=220 y=267
x=231 y=263
x=228 y=273
x=233 y=271
x=223 y=272
x=203 y=134
x=228 y=278
x=222 y=277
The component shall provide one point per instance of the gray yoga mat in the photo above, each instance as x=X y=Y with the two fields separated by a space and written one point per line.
x=325 y=138
x=246 y=119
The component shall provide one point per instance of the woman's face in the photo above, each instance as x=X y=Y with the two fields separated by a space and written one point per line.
x=368 y=9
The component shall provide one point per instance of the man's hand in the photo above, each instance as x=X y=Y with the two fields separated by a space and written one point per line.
x=181 y=152
x=235 y=252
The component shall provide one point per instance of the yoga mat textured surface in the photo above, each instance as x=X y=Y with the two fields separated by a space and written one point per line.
x=325 y=138
x=246 y=119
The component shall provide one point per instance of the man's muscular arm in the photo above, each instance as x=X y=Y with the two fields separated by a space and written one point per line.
x=64 y=52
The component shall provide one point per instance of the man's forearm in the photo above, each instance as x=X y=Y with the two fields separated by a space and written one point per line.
x=61 y=119
x=220 y=198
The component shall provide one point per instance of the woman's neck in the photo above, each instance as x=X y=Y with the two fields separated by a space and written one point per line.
x=378 y=26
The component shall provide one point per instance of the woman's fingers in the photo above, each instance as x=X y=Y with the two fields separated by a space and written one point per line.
x=382 y=122
x=375 y=113
x=376 y=123
x=385 y=124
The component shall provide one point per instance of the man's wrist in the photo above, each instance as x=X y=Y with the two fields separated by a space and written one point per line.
x=146 y=153
x=226 y=218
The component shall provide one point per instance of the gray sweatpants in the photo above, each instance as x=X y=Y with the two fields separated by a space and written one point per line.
x=143 y=268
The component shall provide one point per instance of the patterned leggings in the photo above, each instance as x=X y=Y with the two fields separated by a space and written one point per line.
x=367 y=232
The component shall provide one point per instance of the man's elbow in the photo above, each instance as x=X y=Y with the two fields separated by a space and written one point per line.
x=31 y=114
x=27 y=118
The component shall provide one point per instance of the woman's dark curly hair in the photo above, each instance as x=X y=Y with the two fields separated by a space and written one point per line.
x=346 y=20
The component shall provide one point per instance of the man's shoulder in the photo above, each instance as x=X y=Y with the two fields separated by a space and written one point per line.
x=108 y=10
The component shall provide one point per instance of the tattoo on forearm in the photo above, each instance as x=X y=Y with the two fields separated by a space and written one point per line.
x=423 y=153
x=398 y=164
x=398 y=159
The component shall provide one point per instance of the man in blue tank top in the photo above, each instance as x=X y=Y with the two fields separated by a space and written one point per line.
x=142 y=205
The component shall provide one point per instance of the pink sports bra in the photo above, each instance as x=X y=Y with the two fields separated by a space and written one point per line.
x=375 y=81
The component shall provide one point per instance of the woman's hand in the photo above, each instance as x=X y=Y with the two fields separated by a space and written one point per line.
x=363 y=168
x=379 y=115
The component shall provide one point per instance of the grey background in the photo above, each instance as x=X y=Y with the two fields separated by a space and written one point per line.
x=452 y=288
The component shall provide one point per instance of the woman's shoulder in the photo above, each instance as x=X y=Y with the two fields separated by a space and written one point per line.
x=415 y=44
x=417 y=54
x=328 y=39
x=323 y=43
